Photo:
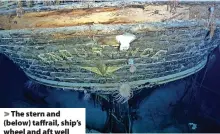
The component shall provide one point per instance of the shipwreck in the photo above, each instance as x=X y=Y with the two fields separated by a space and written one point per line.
x=109 y=47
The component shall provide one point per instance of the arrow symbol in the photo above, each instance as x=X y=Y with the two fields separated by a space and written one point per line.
x=6 y=114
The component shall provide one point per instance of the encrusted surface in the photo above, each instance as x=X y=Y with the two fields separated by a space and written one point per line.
x=89 y=56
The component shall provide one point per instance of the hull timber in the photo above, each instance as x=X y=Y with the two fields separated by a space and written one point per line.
x=86 y=56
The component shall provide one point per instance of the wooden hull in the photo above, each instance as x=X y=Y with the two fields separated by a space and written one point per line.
x=88 y=56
